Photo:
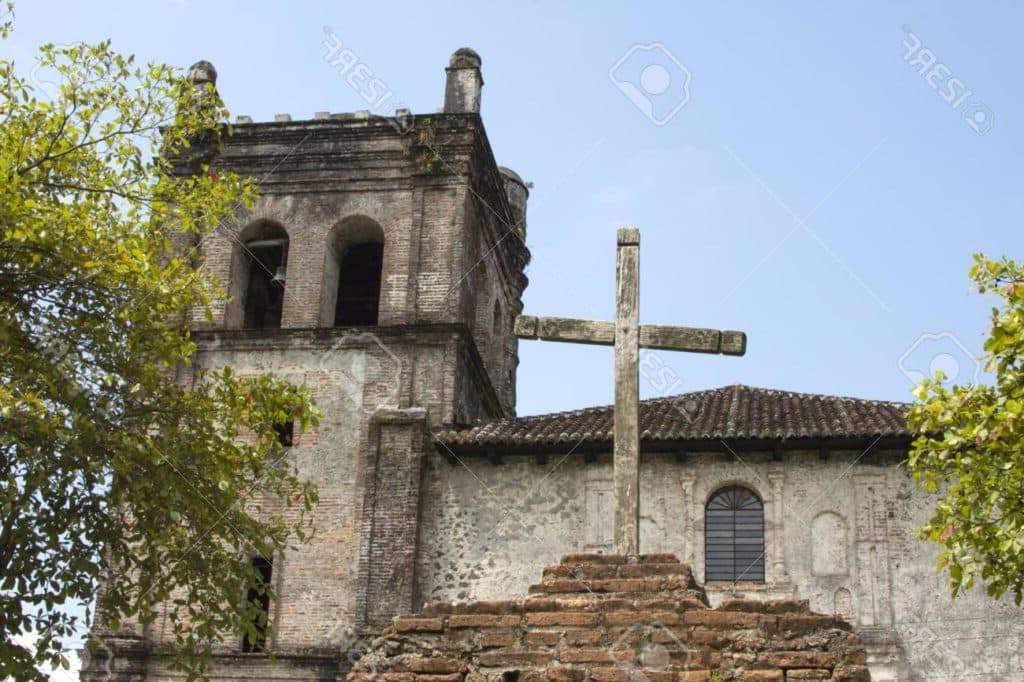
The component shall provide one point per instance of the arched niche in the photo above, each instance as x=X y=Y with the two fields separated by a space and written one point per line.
x=842 y=604
x=829 y=544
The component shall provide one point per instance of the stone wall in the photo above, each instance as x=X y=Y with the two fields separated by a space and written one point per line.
x=839 y=532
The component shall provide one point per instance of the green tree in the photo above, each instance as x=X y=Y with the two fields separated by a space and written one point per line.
x=969 y=448
x=114 y=474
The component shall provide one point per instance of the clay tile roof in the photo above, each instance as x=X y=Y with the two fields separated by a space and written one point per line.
x=729 y=412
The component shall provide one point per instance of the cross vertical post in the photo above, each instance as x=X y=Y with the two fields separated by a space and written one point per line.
x=626 y=462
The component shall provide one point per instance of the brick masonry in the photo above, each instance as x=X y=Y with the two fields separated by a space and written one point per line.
x=614 y=618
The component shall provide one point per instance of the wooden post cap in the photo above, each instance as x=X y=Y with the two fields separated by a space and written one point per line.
x=629 y=236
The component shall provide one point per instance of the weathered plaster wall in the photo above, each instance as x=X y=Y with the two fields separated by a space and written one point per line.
x=971 y=637
x=838 y=532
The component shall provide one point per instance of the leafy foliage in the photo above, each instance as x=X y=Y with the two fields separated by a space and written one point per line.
x=970 y=449
x=113 y=472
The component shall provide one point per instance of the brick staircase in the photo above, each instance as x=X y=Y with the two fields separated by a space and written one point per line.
x=612 y=618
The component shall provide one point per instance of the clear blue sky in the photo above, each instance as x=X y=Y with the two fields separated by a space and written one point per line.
x=814 y=190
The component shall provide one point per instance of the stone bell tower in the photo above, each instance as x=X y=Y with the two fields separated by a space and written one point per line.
x=382 y=266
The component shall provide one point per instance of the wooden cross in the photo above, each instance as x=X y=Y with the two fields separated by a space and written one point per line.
x=628 y=336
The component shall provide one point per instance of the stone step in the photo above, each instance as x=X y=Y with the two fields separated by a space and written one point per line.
x=613 y=602
x=710 y=627
x=768 y=606
x=654 y=584
x=473 y=607
x=581 y=571
x=620 y=559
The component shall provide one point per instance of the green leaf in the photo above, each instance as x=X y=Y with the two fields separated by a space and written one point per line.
x=967 y=450
x=135 y=480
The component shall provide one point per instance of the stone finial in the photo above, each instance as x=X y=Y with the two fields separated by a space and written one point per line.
x=202 y=72
x=465 y=58
x=200 y=97
x=463 y=82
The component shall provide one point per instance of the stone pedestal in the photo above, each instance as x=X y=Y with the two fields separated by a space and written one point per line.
x=610 y=618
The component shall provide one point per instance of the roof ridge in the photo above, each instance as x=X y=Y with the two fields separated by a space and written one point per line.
x=783 y=391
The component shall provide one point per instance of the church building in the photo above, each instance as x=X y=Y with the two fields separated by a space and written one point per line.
x=383 y=267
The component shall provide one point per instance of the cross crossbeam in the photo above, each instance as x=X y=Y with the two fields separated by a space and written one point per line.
x=655 y=336
x=627 y=335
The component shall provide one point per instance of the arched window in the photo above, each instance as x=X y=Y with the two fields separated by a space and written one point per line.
x=734 y=536
x=359 y=285
x=259 y=274
x=352 y=275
